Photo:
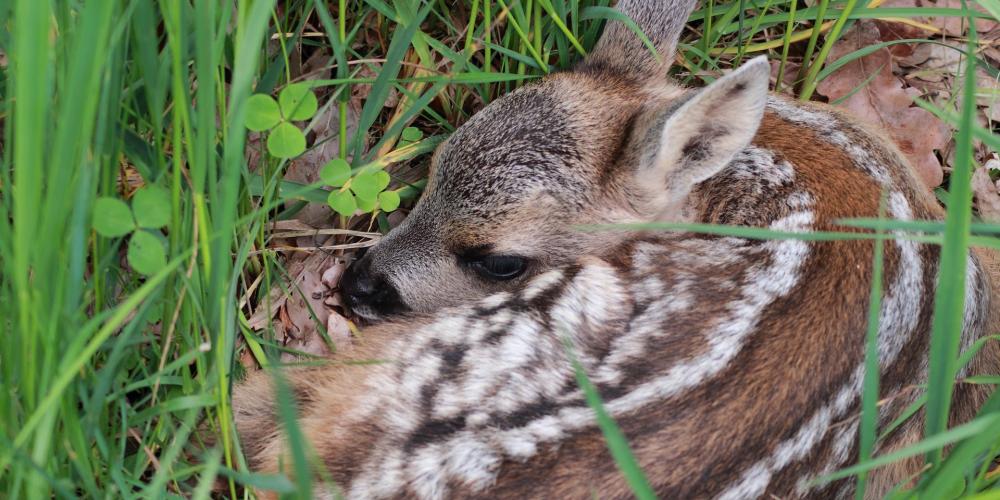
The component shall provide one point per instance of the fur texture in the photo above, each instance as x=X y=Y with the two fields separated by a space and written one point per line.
x=733 y=366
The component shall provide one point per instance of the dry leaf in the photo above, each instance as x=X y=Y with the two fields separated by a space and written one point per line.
x=948 y=25
x=889 y=30
x=331 y=278
x=944 y=64
x=247 y=360
x=787 y=79
x=359 y=93
x=990 y=46
x=306 y=291
x=988 y=94
x=987 y=192
x=957 y=25
x=339 y=330
x=295 y=316
x=883 y=101
x=313 y=344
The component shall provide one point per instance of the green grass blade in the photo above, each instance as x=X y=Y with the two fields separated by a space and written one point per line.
x=296 y=440
x=617 y=443
x=949 y=298
x=401 y=40
x=72 y=366
x=935 y=442
x=810 y=81
x=870 y=383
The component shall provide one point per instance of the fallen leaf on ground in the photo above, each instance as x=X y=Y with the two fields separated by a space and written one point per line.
x=787 y=79
x=297 y=308
x=312 y=344
x=955 y=26
x=331 y=278
x=891 y=30
x=987 y=192
x=305 y=297
x=339 y=330
x=868 y=89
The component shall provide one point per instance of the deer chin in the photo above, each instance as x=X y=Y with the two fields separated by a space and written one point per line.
x=367 y=314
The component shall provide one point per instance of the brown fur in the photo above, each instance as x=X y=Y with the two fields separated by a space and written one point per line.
x=588 y=147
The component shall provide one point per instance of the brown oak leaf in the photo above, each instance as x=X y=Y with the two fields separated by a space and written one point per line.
x=950 y=25
x=868 y=89
x=958 y=25
x=987 y=192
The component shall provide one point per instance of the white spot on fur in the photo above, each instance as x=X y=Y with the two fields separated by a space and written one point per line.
x=494 y=300
x=896 y=324
x=520 y=445
x=752 y=485
x=473 y=461
x=763 y=287
x=974 y=292
x=831 y=128
x=799 y=200
x=799 y=446
x=578 y=304
x=454 y=329
x=542 y=283
x=425 y=472
x=382 y=480
x=546 y=428
x=757 y=164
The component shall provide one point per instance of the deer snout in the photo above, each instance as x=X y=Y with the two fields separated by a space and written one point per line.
x=367 y=294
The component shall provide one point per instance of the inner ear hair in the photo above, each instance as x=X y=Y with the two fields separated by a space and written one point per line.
x=622 y=52
x=701 y=136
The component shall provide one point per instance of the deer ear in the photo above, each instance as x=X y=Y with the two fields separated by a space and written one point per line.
x=622 y=52
x=699 y=138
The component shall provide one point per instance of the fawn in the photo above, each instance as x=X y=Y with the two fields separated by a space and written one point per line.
x=733 y=366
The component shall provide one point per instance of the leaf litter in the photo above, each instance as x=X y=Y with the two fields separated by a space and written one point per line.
x=302 y=311
x=868 y=88
x=881 y=87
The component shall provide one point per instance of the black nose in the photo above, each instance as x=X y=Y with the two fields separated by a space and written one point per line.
x=367 y=294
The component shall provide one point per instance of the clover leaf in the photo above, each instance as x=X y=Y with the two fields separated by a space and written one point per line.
x=411 y=134
x=342 y=202
x=366 y=186
x=388 y=201
x=151 y=206
x=112 y=217
x=286 y=141
x=298 y=102
x=146 y=253
x=262 y=113
x=336 y=172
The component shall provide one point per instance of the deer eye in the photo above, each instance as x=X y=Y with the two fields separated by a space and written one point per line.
x=499 y=267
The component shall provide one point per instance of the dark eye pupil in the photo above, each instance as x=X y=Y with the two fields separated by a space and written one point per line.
x=503 y=267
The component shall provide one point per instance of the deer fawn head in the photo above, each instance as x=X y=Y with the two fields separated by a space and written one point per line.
x=608 y=142
x=733 y=366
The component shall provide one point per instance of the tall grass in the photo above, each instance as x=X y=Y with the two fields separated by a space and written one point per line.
x=106 y=375
x=110 y=380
